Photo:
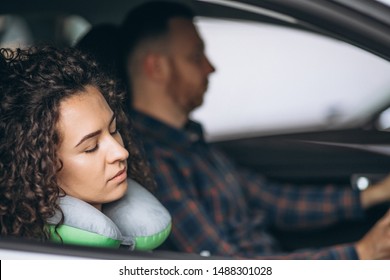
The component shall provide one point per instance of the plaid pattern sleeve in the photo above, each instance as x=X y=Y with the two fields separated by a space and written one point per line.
x=302 y=207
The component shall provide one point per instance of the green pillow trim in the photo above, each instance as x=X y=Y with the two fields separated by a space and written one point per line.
x=146 y=243
x=75 y=236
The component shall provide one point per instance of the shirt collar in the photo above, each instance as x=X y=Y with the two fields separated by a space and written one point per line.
x=191 y=133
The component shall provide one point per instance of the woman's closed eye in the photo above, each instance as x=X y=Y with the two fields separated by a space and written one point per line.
x=91 y=150
x=113 y=128
x=96 y=147
x=114 y=131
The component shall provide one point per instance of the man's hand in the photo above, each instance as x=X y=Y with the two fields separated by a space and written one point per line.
x=376 y=194
x=376 y=243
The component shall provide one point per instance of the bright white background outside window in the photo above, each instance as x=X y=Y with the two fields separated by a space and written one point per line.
x=272 y=78
x=387 y=2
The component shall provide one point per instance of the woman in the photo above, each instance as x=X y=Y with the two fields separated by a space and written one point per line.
x=60 y=119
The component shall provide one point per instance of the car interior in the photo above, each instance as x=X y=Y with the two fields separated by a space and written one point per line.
x=354 y=153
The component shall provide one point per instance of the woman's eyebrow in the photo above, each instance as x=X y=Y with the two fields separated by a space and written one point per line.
x=95 y=133
x=88 y=136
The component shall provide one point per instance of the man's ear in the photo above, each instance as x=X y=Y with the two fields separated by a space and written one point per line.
x=156 y=66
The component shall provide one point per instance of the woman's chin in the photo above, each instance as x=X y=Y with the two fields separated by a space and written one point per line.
x=119 y=191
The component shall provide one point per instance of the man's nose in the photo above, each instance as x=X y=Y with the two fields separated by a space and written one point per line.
x=209 y=66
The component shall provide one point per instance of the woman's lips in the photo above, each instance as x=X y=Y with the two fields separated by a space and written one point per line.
x=120 y=176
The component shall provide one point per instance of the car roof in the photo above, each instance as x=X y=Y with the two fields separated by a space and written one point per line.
x=364 y=23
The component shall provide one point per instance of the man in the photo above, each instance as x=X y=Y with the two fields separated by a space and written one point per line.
x=216 y=207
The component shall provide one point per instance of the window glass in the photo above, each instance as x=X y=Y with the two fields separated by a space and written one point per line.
x=387 y=2
x=271 y=78
x=14 y=32
x=74 y=27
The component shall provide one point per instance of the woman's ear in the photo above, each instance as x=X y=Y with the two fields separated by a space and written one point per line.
x=156 y=66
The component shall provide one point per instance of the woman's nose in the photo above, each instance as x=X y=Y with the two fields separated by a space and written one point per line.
x=116 y=150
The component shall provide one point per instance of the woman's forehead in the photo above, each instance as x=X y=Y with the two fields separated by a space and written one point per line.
x=83 y=113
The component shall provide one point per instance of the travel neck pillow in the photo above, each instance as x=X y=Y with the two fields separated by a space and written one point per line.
x=137 y=220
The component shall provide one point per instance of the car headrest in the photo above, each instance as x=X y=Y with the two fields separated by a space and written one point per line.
x=137 y=220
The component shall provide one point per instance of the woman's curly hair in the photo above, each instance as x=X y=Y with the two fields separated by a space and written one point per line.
x=33 y=82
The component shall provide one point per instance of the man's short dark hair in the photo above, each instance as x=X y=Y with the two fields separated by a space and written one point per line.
x=150 y=20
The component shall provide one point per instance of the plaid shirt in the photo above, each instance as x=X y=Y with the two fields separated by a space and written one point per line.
x=226 y=211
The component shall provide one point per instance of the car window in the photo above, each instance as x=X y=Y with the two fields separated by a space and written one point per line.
x=74 y=27
x=14 y=32
x=387 y=2
x=271 y=78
